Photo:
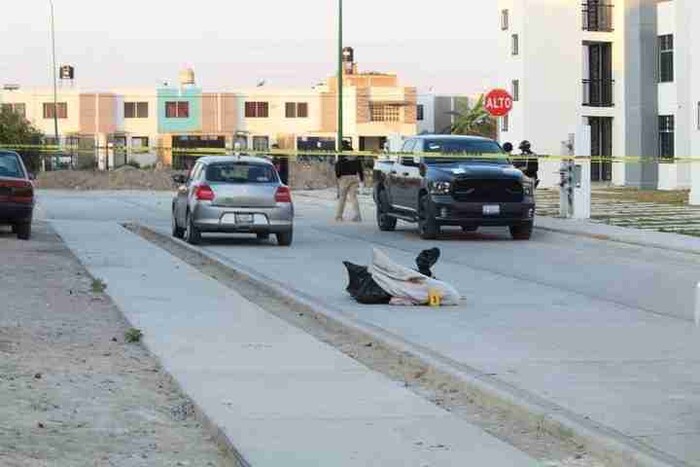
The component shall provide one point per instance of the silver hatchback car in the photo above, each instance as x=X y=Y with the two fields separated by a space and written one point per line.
x=232 y=194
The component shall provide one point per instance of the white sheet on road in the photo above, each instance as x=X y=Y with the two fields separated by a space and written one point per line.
x=406 y=285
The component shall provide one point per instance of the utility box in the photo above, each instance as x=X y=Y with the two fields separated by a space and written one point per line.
x=575 y=177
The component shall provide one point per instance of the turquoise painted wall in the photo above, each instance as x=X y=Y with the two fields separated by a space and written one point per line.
x=192 y=95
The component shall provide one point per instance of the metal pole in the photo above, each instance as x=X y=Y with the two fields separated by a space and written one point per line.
x=53 y=55
x=340 y=76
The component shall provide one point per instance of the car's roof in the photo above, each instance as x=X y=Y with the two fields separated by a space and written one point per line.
x=241 y=158
x=453 y=137
x=5 y=152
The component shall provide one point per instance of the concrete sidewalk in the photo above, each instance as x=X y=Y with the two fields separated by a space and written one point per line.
x=280 y=396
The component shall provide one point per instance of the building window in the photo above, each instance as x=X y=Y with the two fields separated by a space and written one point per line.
x=666 y=58
x=505 y=123
x=257 y=109
x=504 y=20
x=514 y=45
x=420 y=112
x=62 y=108
x=135 y=109
x=296 y=110
x=19 y=109
x=385 y=112
x=516 y=90
x=177 y=109
x=666 y=137
x=139 y=142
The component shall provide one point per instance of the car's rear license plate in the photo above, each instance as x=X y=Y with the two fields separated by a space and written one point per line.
x=491 y=209
x=244 y=218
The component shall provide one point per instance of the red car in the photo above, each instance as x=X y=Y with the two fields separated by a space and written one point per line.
x=16 y=194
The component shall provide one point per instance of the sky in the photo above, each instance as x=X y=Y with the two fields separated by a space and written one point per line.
x=446 y=45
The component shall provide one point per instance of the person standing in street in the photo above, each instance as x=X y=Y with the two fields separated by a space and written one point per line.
x=349 y=172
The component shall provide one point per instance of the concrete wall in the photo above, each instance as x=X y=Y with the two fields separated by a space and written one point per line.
x=641 y=92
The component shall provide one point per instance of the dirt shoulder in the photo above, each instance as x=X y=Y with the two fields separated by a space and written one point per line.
x=303 y=176
x=72 y=391
x=124 y=178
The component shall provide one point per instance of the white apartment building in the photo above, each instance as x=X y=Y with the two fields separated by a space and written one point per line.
x=435 y=112
x=615 y=74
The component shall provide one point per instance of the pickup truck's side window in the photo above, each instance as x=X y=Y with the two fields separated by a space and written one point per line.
x=408 y=148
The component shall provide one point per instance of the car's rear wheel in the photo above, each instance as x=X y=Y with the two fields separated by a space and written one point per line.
x=23 y=231
x=177 y=231
x=192 y=234
x=285 y=238
x=428 y=227
x=521 y=231
x=385 y=222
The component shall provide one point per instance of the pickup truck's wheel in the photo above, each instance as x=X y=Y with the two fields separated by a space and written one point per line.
x=522 y=231
x=385 y=222
x=428 y=228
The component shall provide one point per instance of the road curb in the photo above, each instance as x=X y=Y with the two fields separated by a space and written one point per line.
x=615 y=447
x=621 y=240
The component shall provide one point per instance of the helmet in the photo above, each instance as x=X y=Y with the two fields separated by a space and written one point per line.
x=507 y=147
x=524 y=146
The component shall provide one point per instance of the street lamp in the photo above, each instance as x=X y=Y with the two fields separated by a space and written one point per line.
x=53 y=60
x=339 y=144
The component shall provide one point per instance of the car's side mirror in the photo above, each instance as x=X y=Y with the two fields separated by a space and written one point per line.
x=179 y=179
x=422 y=169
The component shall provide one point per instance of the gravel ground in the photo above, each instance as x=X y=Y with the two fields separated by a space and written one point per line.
x=72 y=391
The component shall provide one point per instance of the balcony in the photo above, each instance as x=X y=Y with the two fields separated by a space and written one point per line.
x=598 y=92
x=597 y=17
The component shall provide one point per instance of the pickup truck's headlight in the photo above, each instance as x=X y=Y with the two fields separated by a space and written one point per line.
x=528 y=188
x=440 y=188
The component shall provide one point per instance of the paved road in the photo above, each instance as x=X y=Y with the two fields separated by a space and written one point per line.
x=602 y=329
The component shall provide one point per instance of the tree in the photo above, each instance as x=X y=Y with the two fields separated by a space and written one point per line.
x=16 y=131
x=473 y=120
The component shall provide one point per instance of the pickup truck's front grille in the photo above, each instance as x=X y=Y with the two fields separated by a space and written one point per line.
x=484 y=191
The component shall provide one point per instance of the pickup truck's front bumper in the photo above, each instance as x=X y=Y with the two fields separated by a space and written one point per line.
x=448 y=211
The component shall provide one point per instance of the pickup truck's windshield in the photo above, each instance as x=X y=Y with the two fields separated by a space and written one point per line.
x=458 y=150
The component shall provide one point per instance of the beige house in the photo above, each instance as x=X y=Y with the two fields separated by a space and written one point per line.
x=152 y=124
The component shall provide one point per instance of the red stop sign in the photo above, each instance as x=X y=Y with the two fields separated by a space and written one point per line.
x=498 y=102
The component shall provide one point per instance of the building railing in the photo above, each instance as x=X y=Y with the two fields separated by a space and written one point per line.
x=597 y=17
x=598 y=92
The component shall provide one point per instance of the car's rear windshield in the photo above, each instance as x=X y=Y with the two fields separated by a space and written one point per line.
x=241 y=173
x=10 y=166
x=463 y=149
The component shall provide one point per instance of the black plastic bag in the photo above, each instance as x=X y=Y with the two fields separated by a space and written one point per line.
x=363 y=288
x=426 y=260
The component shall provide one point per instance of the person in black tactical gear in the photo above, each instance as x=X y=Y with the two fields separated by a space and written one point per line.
x=529 y=165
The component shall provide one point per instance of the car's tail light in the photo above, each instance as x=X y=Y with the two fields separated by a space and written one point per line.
x=283 y=195
x=22 y=193
x=204 y=193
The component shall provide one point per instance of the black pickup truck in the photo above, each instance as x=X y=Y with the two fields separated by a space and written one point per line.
x=469 y=183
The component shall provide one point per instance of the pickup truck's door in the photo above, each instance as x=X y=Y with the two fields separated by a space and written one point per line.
x=413 y=179
x=395 y=177
x=407 y=174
